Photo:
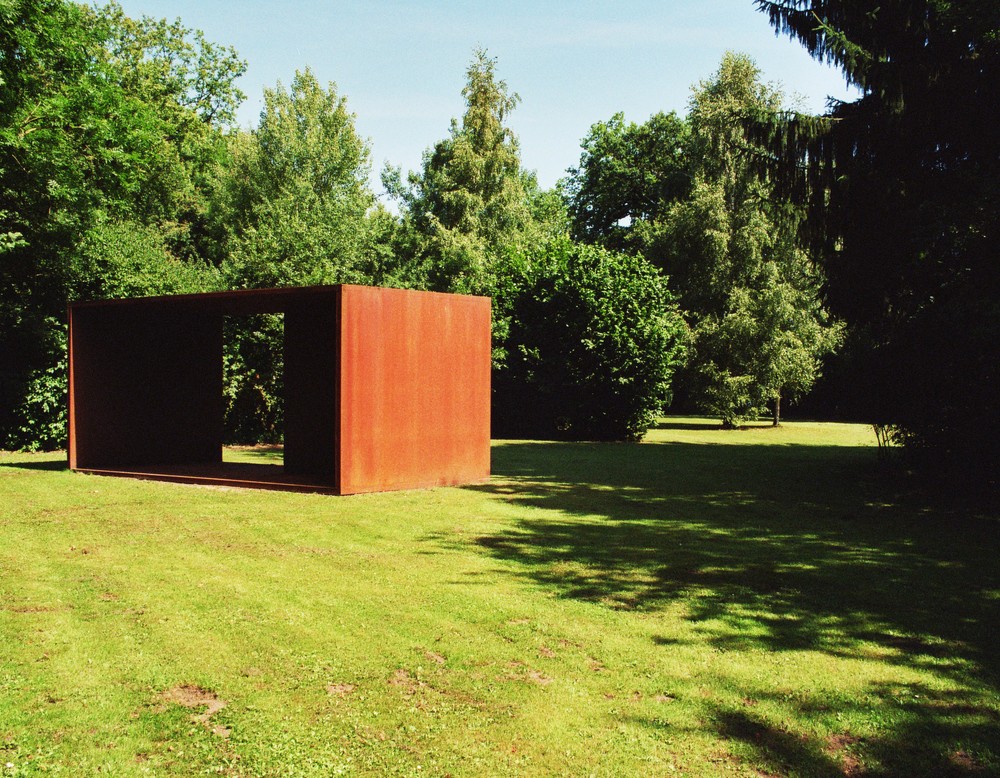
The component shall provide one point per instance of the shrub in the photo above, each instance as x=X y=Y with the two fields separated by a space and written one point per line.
x=587 y=341
x=252 y=370
x=41 y=418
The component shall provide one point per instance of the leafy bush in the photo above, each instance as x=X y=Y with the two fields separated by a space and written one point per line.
x=125 y=258
x=41 y=418
x=252 y=370
x=586 y=343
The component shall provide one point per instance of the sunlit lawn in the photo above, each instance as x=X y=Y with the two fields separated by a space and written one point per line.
x=707 y=603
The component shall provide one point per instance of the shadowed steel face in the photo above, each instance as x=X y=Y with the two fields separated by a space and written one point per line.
x=384 y=388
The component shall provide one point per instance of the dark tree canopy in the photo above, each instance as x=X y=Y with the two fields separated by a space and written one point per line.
x=903 y=186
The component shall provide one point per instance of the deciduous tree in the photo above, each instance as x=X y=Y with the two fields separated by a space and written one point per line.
x=294 y=204
x=628 y=174
x=589 y=342
x=750 y=292
x=107 y=125
x=298 y=192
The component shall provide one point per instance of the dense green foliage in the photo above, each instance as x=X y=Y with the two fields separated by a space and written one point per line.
x=121 y=175
x=292 y=207
x=684 y=194
x=591 y=339
x=253 y=360
x=758 y=328
x=903 y=185
x=628 y=174
x=110 y=129
x=297 y=192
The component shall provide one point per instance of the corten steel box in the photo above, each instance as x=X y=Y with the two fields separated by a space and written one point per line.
x=384 y=388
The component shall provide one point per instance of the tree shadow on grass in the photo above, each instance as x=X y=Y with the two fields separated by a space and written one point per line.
x=793 y=541
x=926 y=732
x=776 y=548
x=690 y=425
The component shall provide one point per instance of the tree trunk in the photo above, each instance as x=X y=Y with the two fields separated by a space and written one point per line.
x=777 y=410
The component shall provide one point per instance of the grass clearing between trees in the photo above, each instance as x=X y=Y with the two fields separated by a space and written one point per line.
x=708 y=602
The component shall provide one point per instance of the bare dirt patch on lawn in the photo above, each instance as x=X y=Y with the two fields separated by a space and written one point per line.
x=189 y=696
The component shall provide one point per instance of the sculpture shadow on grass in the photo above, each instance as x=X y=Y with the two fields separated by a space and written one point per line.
x=51 y=465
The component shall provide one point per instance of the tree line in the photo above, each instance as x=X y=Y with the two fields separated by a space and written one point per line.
x=717 y=259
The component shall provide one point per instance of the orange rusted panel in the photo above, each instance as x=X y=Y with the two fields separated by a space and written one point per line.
x=415 y=389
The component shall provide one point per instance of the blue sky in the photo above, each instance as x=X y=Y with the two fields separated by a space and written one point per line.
x=402 y=65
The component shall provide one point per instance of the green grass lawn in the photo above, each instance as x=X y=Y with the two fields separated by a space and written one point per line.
x=705 y=603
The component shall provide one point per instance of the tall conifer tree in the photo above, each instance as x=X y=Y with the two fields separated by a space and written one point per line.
x=471 y=199
x=903 y=186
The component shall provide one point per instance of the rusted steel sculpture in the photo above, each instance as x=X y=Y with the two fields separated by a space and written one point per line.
x=384 y=388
